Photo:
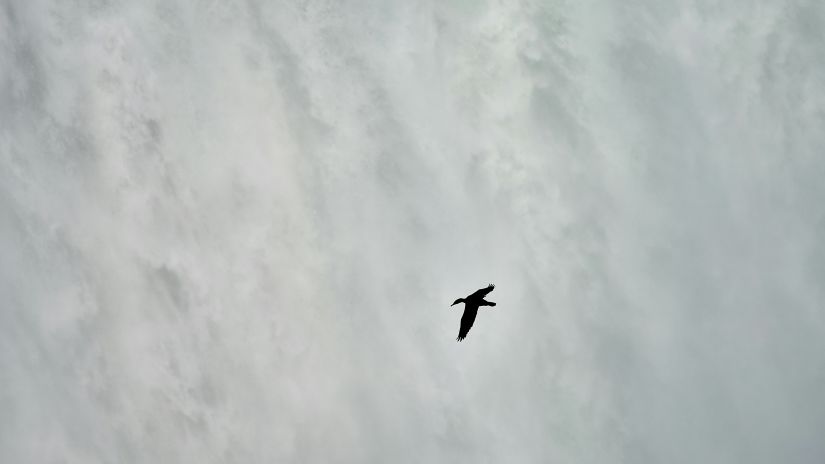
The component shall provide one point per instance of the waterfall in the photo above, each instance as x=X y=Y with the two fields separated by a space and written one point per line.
x=231 y=231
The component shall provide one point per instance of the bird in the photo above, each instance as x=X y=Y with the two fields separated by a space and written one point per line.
x=471 y=305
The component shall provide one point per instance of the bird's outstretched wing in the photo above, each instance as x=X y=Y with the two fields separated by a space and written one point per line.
x=482 y=292
x=467 y=320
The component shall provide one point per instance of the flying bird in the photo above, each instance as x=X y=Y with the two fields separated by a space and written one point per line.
x=471 y=304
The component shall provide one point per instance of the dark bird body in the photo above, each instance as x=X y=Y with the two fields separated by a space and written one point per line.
x=471 y=305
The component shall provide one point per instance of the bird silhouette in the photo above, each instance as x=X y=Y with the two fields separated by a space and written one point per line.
x=471 y=304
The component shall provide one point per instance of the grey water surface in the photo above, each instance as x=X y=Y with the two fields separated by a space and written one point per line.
x=230 y=231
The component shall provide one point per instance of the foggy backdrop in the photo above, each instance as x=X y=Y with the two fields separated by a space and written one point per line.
x=230 y=231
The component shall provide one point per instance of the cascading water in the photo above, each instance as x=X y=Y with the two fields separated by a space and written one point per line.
x=231 y=231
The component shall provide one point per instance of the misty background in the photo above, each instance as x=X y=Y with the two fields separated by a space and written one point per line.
x=231 y=231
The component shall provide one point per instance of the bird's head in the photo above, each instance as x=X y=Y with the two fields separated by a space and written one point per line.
x=460 y=300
